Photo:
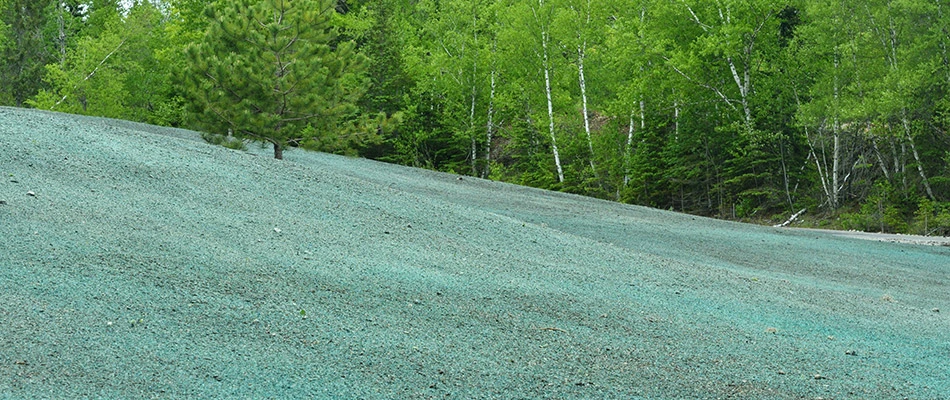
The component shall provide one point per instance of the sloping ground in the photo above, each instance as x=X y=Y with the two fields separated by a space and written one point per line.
x=138 y=261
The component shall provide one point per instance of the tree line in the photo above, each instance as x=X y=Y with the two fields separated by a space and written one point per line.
x=739 y=109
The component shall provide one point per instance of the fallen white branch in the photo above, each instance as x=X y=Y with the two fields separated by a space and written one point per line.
x=790 y=220
x=91 y=73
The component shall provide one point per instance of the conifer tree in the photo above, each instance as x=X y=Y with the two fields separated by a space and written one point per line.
x=25 y=52
x=273 y=71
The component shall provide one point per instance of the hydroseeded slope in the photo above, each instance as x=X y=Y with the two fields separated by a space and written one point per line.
x=146 y=263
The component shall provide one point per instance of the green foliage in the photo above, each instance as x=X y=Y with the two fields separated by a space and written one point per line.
x=5 y=38
x=884 y=210
x=932 y=218
x=114 y=69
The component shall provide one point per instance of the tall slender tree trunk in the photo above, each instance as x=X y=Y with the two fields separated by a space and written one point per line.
x=628 y=152
x=744 y=85
x=676 y=118
x=822 y=173
x=913 y=148
x=583 y=84
x=836 y=132
x=581 y=53
x=630 y=131
x=547 y=89
x=490 y=126
x=880 y=159
x=471 y=114
x=61 y=34
x=943 y=39
x=471 y=129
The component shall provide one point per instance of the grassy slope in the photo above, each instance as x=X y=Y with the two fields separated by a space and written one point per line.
x=150 y=264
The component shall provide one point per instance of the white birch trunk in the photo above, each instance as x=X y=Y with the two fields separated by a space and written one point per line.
x=743 y=81
x=581 y=50
x=890 y=42
x=630 y=130
x=836 y=152
x=822 y=176
x=583 y=84
x=880 y=159
x=676 y=119
x=471 y=114
x=627 y=153
x=920 y=167
x=490 y=126
x=61 y=37
x=547 y=90
x=743 y=85
x=471 y=128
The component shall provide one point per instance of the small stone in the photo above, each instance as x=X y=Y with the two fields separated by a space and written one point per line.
x=819 y=377
x=277 y=230
x=3 y=202
x=31 y=194
x=850 y=353
x=936 y=310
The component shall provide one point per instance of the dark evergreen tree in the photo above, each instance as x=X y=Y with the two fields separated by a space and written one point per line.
x=272 y=71
x=26 y=52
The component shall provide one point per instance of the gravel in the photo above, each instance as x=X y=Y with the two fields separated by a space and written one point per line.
x=141 y=262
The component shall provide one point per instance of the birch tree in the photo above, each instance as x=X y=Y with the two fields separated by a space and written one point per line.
x=826 y=50
x=732 y=44
x=573 y=22
x=630 y=70
x=542 y=18
x=895 y=29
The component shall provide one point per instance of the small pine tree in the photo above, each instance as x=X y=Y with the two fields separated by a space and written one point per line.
x=267 y=70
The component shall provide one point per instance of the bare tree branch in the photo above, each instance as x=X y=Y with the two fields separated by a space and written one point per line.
x=91 y=73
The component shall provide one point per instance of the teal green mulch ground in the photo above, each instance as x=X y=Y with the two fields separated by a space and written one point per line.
x=138 y=261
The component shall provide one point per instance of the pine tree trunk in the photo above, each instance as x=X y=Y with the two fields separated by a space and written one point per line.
x=278 y=151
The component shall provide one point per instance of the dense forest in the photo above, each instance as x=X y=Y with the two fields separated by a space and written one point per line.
x=741 y=109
